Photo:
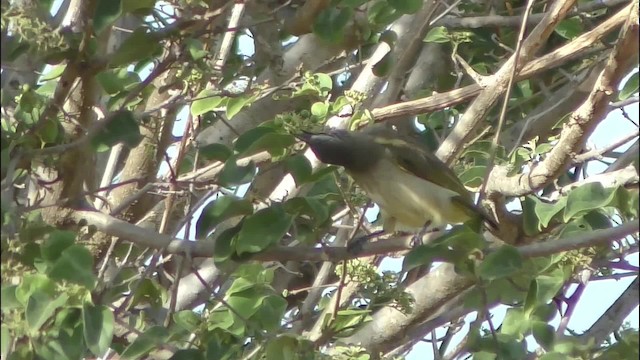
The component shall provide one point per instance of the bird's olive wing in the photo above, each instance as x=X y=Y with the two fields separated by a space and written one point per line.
x=421 y=163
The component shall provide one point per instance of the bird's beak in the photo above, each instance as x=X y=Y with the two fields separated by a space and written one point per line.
x=304 y=136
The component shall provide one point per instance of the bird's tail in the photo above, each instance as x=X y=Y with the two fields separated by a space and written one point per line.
x=477 y=212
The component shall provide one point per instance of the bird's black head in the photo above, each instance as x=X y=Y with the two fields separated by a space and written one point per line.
x=354 y=151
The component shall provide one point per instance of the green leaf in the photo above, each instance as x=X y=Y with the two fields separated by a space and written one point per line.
x=531 y=301
x=215 y=152
x=255 y=273
x=549 y=285
x=575 y=227
x=454 y=246
x=220 y=318
x=246 y=302
x=587 y=197
x=75 y=265
x=121 y=127
x=187 y=320
x=34 y=283
x=234 y=174
x=319 y=110
x=634 y=203
x=503 y=262
x=284 y=347
x=117 y=80
x=555 y=356
x=570 y=28
x=544 y=212
x=473 y=176
x=48 y=88
x=30 y=107
x=330 y=24
x=543 y=333
x=188 y=354
x=597 y=220
x=98 y=327
x=313 y=208
x=195 y=49
x=630 y=87
x=149 y=340
x=107 y=12
x=138 y=46
x=382 y=13
x=239 y=285
x=138 y=7
x=348 y=319
x=323 y=82
x=49 y=131
x=40 y=307
x=384 y=66
x=56 y=243
x=263 y=138
x=235 y=104
x=219 y=210
x=207 y=100
x=515 y=323
x=53 y=73
x=5 y=339
x=225 y=243
x=438 y=35
x=484 y=355
x=262 y=229
x=299 y=167
x=148 y=292
x=424 y=255
x=271 y=312
x=406 y=6
x=545 y=312
x=9 y=299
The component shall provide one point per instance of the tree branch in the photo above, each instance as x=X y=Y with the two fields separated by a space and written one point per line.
x=572 y=50
x=389 y=327
x=614 y=316
x=466 y=127
x=147 y=238
x=581 y=122
x=474 y=22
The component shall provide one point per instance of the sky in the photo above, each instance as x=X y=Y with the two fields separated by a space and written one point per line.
x=598 y=295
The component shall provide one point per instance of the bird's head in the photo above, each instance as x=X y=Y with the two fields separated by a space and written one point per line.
x=354 y=151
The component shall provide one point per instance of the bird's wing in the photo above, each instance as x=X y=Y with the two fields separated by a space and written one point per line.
x=423 y=164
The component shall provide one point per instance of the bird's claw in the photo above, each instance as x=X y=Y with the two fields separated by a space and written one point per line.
x=416 y=240
x=356 y=245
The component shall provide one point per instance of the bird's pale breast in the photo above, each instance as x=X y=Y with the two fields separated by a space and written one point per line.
x=409 y=200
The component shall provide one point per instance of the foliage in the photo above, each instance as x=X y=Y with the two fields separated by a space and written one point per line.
x=96 y=183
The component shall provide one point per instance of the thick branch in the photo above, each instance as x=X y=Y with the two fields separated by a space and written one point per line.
x=582 y=121
x=147 y=238
x=389 y=327
x=474 y=22
x=465 y=129
x=570 y=51
x=613 y=318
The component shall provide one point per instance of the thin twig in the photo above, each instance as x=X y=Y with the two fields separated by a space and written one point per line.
x=597 y=153
x=505 y=103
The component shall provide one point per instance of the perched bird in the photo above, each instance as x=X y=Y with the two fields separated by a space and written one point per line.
x=412 y=187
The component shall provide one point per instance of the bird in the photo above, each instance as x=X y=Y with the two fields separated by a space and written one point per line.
x=413 y=188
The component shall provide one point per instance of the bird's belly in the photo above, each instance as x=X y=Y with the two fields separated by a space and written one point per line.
x=411 y=201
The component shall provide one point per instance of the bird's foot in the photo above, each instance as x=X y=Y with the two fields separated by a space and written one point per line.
x=357 y=244
x=418 y=239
